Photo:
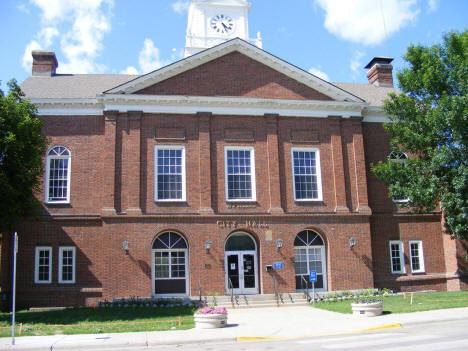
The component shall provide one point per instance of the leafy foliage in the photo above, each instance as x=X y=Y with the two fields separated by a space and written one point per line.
x=430 y=121
x=22 y=146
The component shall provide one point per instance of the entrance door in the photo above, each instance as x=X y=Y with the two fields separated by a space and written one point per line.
x=241 y=265
x=241 y=272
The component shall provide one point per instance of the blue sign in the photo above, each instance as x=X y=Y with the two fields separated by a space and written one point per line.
x=313 y=276
x=278 y=265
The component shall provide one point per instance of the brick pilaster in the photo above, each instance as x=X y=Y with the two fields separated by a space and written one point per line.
x=338 y=165
x=358 y=167
x=109 y=152
x=131 y=161
x=204 y=154
x=273 y=164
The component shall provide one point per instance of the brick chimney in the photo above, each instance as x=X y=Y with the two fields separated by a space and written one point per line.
x=44 y=63
x=380 y=71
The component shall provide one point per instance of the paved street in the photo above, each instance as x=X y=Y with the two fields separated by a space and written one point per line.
x=447 y=335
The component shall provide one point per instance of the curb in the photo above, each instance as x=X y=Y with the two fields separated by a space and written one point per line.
x=270 y=338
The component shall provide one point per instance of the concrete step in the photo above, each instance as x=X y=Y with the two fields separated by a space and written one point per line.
x=257 y=301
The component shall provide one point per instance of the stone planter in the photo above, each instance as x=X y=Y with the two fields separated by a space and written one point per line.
x=210 y=321
x=367 y=309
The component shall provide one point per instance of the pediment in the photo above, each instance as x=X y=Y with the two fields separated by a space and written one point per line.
x=235 y=69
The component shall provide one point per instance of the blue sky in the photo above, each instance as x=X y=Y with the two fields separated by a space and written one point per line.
x=334 y=39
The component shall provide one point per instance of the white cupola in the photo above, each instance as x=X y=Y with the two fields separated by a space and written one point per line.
x=212 y=22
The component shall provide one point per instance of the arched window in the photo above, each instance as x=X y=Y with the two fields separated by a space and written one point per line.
x=309 y=255
x=58 y=175
x=399 y=156
x=170 y=264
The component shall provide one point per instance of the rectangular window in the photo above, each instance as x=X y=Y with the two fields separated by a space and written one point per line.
x=169 y=173
x=396 y=256
x=240 y=173
x=306 y=174
x=417 y=258
x=67 y=264
x=43 y=265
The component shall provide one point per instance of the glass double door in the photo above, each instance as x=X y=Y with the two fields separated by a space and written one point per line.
x=241 y=272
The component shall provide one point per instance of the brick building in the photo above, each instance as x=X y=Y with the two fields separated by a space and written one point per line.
x=228 y=169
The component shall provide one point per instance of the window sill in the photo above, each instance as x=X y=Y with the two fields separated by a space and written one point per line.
x=308 y=200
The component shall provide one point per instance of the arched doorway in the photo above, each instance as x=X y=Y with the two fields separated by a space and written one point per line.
x=309 y=255
x=241 y=267
x=170 y=265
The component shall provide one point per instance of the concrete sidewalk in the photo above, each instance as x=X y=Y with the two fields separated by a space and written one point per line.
x=291 y=322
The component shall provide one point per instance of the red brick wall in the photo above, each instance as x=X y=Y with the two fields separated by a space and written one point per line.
x=235 y=75
x=105 y=272
x=415 y=227
x=376 y=145
x=83 y=136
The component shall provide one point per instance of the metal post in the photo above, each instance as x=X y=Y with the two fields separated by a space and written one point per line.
x=313 y=292
x=15 y=251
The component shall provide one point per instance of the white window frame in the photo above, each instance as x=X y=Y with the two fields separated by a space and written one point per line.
x=47 y=183
x=399 y=160
x=252 y=173
x=420 y=256
x=61 y=250
x=36 y=265
x=402 y=256
x=317 y=167
x=169 y=147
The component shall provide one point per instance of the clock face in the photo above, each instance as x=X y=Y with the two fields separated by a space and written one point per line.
x=222 y=24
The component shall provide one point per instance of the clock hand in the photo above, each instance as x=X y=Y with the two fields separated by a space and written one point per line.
x=225 y=27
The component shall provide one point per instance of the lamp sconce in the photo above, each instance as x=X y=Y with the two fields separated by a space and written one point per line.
x=279 y=244
x=352 y=242
x=208 y=246
x=125 y=246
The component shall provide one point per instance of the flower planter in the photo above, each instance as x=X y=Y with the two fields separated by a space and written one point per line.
x=367 y=309
x=210 y=321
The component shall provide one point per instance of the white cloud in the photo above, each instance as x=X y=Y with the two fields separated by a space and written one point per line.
x=85 y=22
x=356 y=64
x=432 y=5
x=317 y=72
x=129 y=70
x=180 y=6
x=148 y=58
x=361 y=21
x=26 y=61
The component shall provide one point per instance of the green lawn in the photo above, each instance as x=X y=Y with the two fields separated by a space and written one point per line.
x=397 y=304
x=101 y=320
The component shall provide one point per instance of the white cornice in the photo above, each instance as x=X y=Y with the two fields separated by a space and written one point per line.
x=191 y=105
x=246 y=49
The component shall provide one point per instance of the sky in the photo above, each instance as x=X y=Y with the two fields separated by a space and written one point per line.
x=333 y=39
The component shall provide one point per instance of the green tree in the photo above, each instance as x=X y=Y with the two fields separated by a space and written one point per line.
x=430 y=122
x=22 y=146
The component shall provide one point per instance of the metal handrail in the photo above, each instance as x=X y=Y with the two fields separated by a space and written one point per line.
x=275 y=282
x=231 y=288
x=199 y=291
x=303 y=280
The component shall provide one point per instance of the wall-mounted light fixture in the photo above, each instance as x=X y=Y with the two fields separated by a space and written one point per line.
x=125 y=246
x=208 y=246
x=279 y=244
x=352 y=242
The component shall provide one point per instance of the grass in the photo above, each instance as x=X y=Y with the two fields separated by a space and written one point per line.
x=95 y=321
x=398 y=304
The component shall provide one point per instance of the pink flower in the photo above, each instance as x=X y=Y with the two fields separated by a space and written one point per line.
x=210 y=310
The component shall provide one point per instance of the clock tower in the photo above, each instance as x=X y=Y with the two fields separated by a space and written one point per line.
x=212 y=22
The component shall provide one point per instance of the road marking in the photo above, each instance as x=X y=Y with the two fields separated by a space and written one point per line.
x=269 y=338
